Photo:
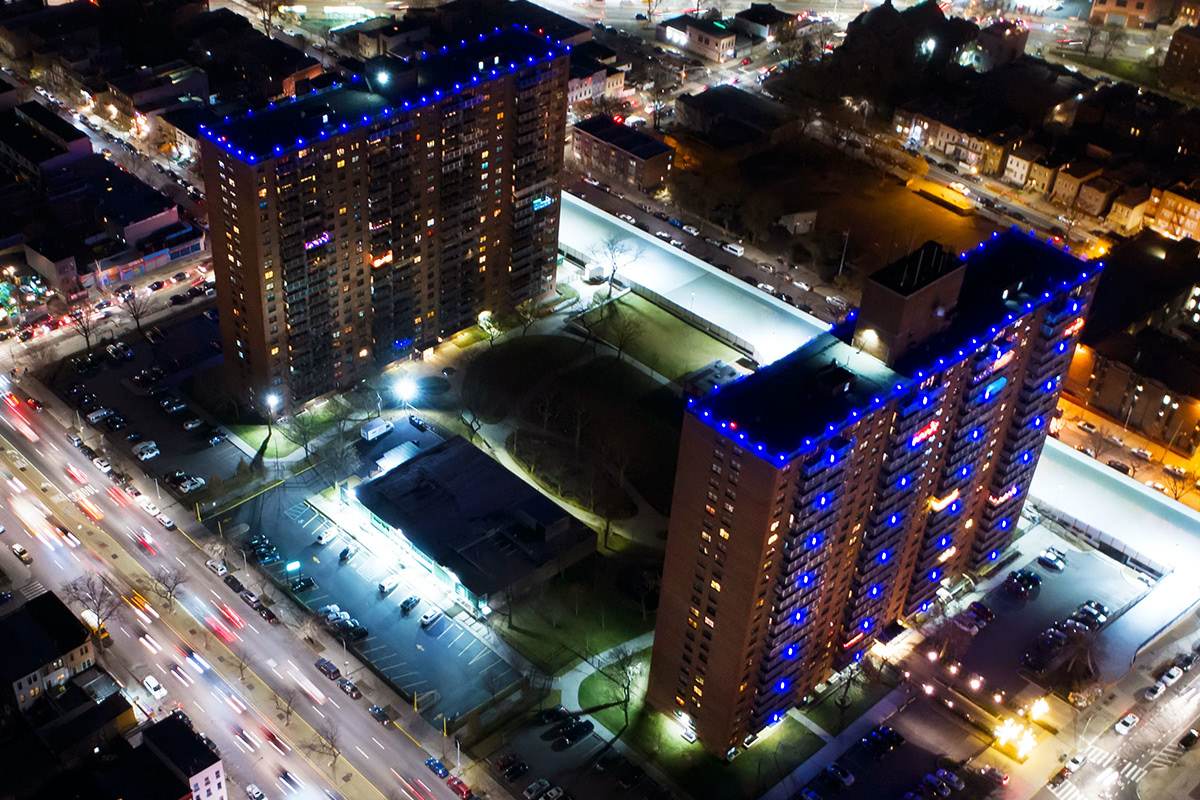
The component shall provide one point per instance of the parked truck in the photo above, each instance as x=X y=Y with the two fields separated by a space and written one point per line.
x=374 y=429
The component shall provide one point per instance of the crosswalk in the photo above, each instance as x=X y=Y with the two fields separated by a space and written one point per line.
x=1166 y=758
x=33 y=589
x=1068 y=791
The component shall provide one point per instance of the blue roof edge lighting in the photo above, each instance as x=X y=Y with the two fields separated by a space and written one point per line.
x=1091 y=270
x=428 y=96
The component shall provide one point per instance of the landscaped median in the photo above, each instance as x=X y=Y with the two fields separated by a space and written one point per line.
x=659 y=737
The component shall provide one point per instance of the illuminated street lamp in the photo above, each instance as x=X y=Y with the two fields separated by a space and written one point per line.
x=272 y=404
x=406 y=389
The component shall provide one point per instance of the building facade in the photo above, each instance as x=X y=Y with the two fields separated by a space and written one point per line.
x=715 y=41
x=355 y=225
x=1174 y=212
x=631 y=157
x=54 y=647
x=836 y=490
x=1181 y=68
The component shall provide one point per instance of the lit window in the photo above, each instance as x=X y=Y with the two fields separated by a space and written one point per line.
x=715 y=585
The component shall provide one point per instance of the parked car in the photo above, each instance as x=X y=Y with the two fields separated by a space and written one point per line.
x=1125 y=724
x=379 y=715
x=1172 y=676
x=437 y=767
x=328 y=669
x=839 y=775
x=218 y=567
x=349 y=688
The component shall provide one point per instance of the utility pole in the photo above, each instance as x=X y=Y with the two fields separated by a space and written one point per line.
x=845 y=246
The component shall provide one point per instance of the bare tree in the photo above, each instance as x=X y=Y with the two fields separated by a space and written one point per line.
x=527 y=314
x=789 y=45
x=241 y=659
x=653 y=7
x=1180 y=485
x=821 y=34
x=303 y=429
x=613 y=252
x=340 y=456
x=581 y=413
x=137 y=308
x=1101 y=441
x=95 y=595
x=622 y=669
x=625 y=330
x=1090 y=35
x=85 y=325
x=547 y=406
x=167 y=582
x=285 y=701
x=267 y=10
x=308 y=629
x=1113 y=40
x=329 y=741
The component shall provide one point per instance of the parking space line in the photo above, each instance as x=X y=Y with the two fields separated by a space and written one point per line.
x=470 y=644
x=456 y=638
x=403 y=675
x=446 y=630
x=481 y=655
x=415 y=685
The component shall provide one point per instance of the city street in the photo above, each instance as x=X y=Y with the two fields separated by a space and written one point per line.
x=277 y=664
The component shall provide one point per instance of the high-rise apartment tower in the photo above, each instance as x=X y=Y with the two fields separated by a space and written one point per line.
x=835 y=490
x=355 y=224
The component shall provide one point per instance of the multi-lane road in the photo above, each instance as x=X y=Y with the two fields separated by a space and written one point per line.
x=253 y=668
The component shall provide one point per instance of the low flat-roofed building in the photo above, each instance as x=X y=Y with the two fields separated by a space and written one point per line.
x=713 y=40
x=9 y=96
x=763 y=21
x=129 y=209
x=34 y=141
x=186 y=756
x=629 y=156
x=477 y=528
x=728 y=118
x=1175 y=211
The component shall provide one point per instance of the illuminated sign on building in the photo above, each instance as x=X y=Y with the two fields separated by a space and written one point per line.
x=1073 y=328
x=545 y=201
x=942 y=504
x=317 y=242
x=1008 y=495
x=926 y=432
x=993 y=389
x=386 y=258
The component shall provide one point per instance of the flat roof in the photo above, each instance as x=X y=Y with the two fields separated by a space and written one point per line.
x=121 y=198
x=46 y=629
x=794 y=403
x=26 y=140
x=623 y=137
x=172 y=740
x=52 y=123
x=463 y=509
x=771 y=327
x=286 y=126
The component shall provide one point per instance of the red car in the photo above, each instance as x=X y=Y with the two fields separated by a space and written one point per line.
x=458 y=787
x=507 y=761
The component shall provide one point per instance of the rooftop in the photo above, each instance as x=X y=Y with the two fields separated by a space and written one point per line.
x=121 y=198
x=21 y=137
x=52 y=124
x=751 y=110
x=172 y=740
x=834 y=382
x=289 y=125
x=764 y=14
x=468 y=513
x=622 y=137
x=46 y=630
x=685 y=21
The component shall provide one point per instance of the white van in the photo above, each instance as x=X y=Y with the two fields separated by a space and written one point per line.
x=99 y=414
x=389 y=584
x=374 y=429
x=736 y=249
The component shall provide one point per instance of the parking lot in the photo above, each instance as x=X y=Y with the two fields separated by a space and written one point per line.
x=185 y=346
x=996 y=650
x=446 y=665
x=587 y=770
x=934 y=739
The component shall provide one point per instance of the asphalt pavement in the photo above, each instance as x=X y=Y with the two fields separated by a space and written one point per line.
x=278 y=664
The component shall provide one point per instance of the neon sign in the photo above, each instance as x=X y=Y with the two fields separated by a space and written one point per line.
x=1073 y=328
x=545 y=201
x=853 y=641
x=386 y=258
x=317 y=242
x=944 y=503
x=993 y=389
x=926 y=432
x=1008 y=495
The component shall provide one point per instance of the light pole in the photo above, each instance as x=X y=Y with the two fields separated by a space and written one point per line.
x=406 y=389
x=272 y=404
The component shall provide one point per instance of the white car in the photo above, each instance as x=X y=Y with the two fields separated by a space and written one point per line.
x=165 y=521
x=148 y=506
x=692 y=229
x=430 y=617
x=1178 y=472
x=1125 y=724
x=1075 y=762
x=1171 y=676
x=1155 y=691
x=192 y=424
x=102 y=464
x=1086 y=426
x=217 y=567
x=255 y=793
x=154 y=687
x=191 y=485
x=1141 y=452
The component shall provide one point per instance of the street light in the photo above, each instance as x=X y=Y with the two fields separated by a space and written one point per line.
x=406 y=389
x=272 y=404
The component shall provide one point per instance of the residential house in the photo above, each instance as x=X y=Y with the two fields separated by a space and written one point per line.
x=1096 y=195
x=1127 y=211
x=1071 y=176
x=763 y=21
x=48 y=646
x=1175 y=212
x=630 y=157
x=1016 y=169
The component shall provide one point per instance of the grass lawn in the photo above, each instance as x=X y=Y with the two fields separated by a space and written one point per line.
x=500 y=377
x=625 y=406
x=666 y=344
x=254 y=435
x=1123 y=68
x=776 y=753
x=833 y=718
x=547 y=630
